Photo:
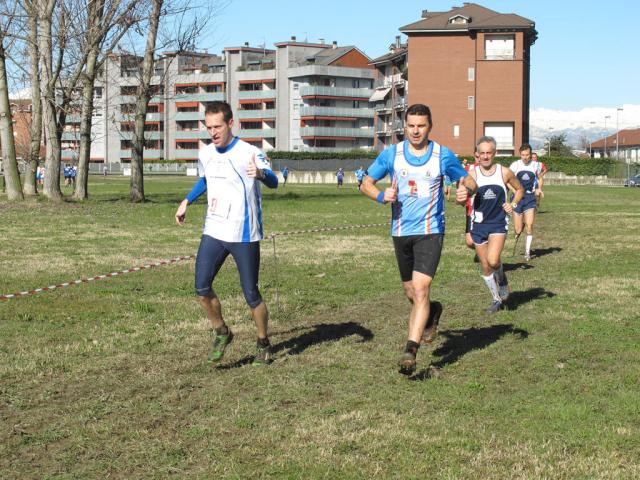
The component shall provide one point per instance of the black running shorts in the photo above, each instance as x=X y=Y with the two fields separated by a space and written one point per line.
x=419 y=253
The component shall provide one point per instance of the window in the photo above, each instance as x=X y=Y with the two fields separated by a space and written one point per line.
x=503 y=133
x=471 y=102
x=471 y=74
x=499 y=47
x=296 y=86
x=356 y=104
x=97 y=92
x=355 y=83
x=456 y=131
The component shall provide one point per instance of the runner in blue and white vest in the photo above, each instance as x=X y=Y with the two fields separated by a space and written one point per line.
x=489 y=218
x=529 y=173
x=360 y=173
x=230 y=171
x=417 y=167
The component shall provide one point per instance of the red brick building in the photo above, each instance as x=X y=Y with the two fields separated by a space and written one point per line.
x=471 y=66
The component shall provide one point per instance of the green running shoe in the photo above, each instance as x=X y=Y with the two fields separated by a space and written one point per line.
x=263 y=355
x=220 y=342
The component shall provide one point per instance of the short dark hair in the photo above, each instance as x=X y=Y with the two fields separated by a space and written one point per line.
x=525 y=146
x=219 y=107
x=419 y=109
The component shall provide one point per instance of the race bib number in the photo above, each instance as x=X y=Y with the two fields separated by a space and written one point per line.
x=219 y=207
x=478 y=217
x=423 y=189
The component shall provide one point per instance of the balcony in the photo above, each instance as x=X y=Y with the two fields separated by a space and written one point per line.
x=182 y=154
x=244 y=114
x=68 y=154
x=336 y=132
x=148 y=154
x=258 y=133
x=256 y=94
x=323 y=91
x=199 y=97
x=191 y=135
x=70 y=136
x=147 y=135
x=336 y=112
x=130 y=117
x=189 y=116
x=383 y=108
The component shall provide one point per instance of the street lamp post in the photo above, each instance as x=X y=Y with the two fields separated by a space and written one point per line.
x=617 y=130
x=605 y=134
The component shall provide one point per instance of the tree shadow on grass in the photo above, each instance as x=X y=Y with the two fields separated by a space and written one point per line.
x=520 y=298
x=460 y=342
x=319 y=333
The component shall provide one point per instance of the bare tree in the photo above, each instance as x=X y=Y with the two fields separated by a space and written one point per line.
x=184 y=24
x=144 y=94
x=106 y=24
x=9 y=163
x=35 y=130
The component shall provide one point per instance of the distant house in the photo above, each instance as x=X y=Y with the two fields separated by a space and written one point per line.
x=628 y=149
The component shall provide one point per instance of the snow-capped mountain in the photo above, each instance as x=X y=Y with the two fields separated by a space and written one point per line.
x=586 y=125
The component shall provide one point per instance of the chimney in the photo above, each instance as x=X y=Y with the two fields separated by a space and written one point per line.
x=425 y=13
x=321 y=40
x=246 y=44
x=335 y=44
x=397 y=41
x=293 y=38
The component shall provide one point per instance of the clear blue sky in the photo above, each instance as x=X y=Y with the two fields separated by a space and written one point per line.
x=586 y=54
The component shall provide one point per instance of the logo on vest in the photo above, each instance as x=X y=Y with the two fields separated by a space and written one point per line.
x=489 y=195
x=526 y=177
x=404 y=173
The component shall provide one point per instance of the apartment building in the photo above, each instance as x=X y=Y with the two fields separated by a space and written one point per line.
x=389 y=100
x=298 y=96
x=471 y=66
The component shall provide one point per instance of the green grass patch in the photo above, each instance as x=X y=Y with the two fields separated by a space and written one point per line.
x=109 y=379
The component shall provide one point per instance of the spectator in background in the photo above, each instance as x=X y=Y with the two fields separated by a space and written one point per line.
x=360 y=173
x=285 y=175
x=340 y=176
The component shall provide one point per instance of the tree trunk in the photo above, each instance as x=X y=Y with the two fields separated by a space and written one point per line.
x=137 y=179
x=52 y=139
x=82 y=180
x=9 y=163
x=30 y=186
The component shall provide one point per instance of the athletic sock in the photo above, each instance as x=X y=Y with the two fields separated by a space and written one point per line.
x=263 y=342
x=412 y=347
x=223 y=330
x=527 y=247
x=490 y=280
x=499 y=273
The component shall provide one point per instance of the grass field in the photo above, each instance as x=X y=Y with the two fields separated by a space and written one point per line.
x=109 y=379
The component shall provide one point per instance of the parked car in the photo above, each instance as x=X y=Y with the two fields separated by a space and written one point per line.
x=633 y=181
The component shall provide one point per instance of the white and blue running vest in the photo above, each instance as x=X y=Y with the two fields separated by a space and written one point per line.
x=234 y=203
x=527 y=174
x=420 y=206
x=491 y=195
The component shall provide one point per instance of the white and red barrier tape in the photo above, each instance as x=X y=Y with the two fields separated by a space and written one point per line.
x=173 y=260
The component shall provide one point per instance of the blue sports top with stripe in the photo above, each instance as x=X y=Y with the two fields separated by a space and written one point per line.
x=491 y=195
x=234 y=202
x=527 y=174
x=419 y=209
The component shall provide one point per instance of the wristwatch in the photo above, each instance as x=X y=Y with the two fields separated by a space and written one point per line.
x=514 y=204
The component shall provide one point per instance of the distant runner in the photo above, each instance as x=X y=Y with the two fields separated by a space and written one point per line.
x=528 y=173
